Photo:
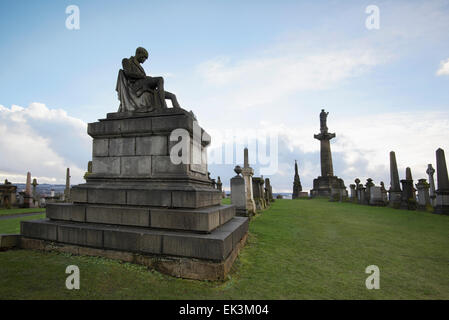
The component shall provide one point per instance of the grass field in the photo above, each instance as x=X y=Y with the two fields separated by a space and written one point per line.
x=298 y=249
x=4 y=212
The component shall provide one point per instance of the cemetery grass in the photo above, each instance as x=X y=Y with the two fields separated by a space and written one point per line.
x=5 y=212
x=8 y=226
x=297 y=249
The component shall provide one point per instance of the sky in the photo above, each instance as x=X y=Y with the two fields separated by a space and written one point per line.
x=245 y=68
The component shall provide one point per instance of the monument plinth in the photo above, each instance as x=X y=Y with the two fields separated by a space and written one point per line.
x=140 y=205
x=327 y=184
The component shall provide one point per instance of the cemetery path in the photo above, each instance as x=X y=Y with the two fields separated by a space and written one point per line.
x=13 y=216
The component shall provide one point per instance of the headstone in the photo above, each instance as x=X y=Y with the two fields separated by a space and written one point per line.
x=432 y=194
x=395 y=188
x=247 y=173
x=408 y=198
x=368 y=185
x=376 y=197
x=384 y=193
x=238 y=193
x=323 y=185
x=442 y=198
x=268 y=192
x=353 y=193
x=423 y=194
x=35 y=196
x=258 y=192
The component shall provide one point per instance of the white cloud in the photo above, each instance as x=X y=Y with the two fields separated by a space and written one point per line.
x=444 y=68
x=263 y=80
x=43 y=141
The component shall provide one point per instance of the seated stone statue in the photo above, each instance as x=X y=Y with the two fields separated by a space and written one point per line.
x=138 y=92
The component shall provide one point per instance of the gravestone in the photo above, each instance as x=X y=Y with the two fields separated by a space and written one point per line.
x=238 y=193
x=376 y=197
x=442 y=198
x=395 y=188
x=258 y=193
x=384 y=193
x=368 y=185
x=148 y=200
x=423 y=194
x=353 y=193
x=408 y=198
x=247 y=173
x=432 y=194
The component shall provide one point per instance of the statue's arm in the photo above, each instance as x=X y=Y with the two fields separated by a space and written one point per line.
x=130 y=70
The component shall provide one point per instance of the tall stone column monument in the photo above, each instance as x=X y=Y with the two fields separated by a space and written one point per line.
x=297 y=188
x=323 y=185
x=395 y=187
x=149 y=199
x=247 y=173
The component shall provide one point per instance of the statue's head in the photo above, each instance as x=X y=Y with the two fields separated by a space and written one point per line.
x=141 y=54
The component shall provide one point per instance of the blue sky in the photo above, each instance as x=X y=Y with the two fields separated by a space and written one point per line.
x=262 y=65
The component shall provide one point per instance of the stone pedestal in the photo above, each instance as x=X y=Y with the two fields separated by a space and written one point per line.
x=138 y=200
x=353 y=193
x=259 y=199
x=247 y=173
x=408 y=198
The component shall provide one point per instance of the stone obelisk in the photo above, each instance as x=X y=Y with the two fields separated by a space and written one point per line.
x=297 y=188
x=395 y=187
x=430 y=172
x=247 y=173
x=327 y=184
x=408 y=198
x=28 y=197
x=67 y=197
x=442 y=199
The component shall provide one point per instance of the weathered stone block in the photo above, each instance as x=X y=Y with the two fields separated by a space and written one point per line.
x=168 y=124
x=227 y=212
x=118 y=215
x=160 y=198
x=122 y=147
x=106 y=196
x=66 y=211
x=152 y=145
x=151 y=243
x=40 y=229
x=136 y=125
x=214 y=246
x=162 y=165
x=9 y=241
x=78 y=194
x=104 y=128
x=121 y=240
x=195 y=199
x=136 y=166
x=203 y=220
x=108 y=165
x=78 y=235
x=100 y=147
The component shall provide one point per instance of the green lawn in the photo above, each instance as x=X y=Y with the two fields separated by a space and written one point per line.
x=297 y=249
x=13 y=225
x=20 y=211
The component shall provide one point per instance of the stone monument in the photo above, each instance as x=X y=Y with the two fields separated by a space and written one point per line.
x=408 y=199
x=395 y=188
x=323 y=184
x=297 y=188
x=247 y=173
x=149 y=199
x=67 y=197
x=7 y=195
x=238 y=193
x=423 y=194
x=442 y=198
x=430 y=171
x=28 y=196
